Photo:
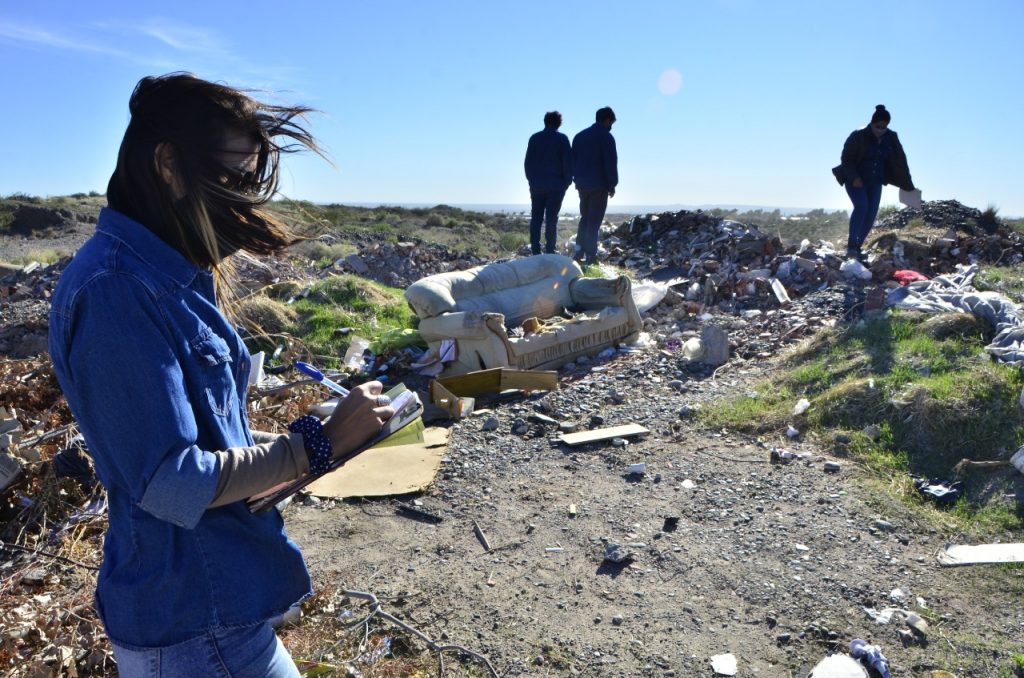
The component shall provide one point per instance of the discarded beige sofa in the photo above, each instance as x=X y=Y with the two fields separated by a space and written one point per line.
x=476 y=307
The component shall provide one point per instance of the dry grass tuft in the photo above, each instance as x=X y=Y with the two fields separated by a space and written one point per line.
x=962 y=325
x=263 y=315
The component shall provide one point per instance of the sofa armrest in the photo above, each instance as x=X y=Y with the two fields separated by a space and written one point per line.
x=592 y=294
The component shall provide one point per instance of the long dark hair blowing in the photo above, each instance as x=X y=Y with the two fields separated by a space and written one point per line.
x=220 y=211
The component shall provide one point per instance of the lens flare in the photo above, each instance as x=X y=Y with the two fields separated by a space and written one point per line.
x=670 y=82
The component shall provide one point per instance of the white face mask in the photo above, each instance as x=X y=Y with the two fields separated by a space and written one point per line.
x=878 y=132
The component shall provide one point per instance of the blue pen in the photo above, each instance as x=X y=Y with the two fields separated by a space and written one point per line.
x=319 y=376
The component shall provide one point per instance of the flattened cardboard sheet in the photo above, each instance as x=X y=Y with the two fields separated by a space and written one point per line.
x=384 y=471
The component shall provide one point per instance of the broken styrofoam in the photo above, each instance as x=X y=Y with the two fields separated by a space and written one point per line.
x=838 y=666
x=724 y=664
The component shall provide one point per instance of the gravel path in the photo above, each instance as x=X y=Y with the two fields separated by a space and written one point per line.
x=729 y=552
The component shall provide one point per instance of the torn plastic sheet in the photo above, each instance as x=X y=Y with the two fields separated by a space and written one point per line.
x=953 y=293
x=942 y=491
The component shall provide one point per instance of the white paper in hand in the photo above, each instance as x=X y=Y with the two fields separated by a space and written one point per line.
x=911 y=198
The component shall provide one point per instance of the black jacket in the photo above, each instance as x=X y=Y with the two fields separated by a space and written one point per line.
x=897 y=173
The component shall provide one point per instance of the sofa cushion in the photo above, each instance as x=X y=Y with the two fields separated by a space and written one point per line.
x=518 y=289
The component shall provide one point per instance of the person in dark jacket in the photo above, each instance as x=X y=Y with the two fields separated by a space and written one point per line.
x=548 y=167
x=595 y=169
x=871 y=158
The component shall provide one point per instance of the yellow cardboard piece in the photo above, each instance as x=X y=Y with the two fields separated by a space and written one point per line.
x=384 y=471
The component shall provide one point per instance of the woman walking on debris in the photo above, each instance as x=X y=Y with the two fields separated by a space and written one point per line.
x=156 y=378
x=871 y=158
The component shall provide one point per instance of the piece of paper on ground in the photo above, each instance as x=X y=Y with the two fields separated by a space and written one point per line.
x=966 y=554
x=383 y=471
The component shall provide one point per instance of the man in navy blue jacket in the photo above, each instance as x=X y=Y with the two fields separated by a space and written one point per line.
x=548 y=167
x=595 y=164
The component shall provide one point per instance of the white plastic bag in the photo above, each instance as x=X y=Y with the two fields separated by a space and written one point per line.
x=852 y=268
x=647 y=295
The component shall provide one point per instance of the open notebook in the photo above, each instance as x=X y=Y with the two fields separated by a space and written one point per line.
x=403 y=428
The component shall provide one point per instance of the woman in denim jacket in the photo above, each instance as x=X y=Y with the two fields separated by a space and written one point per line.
x=872 y=157
x=156 y=378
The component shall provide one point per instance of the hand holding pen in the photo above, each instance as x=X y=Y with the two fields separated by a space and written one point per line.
x=359 y=415
x=333 y=385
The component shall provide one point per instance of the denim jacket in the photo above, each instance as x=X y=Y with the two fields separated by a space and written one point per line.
x=156 y=377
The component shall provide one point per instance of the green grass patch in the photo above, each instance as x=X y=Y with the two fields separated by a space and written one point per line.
x=43 y=256
x=1006 y=280
x=924 y=389
x=323 y=252
x=6 y=215
x=491 y=235
x=361 y=307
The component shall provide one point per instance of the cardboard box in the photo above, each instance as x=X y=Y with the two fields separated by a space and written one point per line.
x=457 y=395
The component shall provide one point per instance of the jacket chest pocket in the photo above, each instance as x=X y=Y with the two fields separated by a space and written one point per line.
x=214 y=372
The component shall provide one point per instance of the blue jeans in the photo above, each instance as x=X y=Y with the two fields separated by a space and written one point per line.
x=246 y=652
x=545 y=205
x=593 y=204
x=865 y=208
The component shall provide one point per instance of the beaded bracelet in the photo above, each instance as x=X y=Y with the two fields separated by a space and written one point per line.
x=318 y=447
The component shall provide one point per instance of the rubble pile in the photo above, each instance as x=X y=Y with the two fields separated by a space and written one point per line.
x=28 y=219
x=25 y=301
x=403 y=263
x=745 y=276
x=767 y=293
x=720 y=262
x=940 y=214
x=939 y=235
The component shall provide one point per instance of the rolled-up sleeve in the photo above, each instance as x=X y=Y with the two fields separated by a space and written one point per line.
x=132 y=403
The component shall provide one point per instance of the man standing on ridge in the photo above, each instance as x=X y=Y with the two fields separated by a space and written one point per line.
x=595 y=165
x=548 y=167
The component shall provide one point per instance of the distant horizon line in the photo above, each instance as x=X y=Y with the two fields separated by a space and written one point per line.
x=616 y=209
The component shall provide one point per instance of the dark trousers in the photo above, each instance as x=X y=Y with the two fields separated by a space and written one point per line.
x=593 y=204
x=865 y=208
x=545 y=206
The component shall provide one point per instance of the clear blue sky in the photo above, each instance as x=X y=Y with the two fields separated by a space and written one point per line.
x=718 y=102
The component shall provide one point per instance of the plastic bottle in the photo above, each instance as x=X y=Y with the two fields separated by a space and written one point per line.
x=353 y=359
x=870 y=655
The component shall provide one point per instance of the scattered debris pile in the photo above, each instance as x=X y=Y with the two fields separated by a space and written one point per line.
x=403 y=263
x=767 y=293
x=24 y=304
x=939 y=235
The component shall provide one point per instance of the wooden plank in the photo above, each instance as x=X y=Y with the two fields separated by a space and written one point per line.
x=603 y=434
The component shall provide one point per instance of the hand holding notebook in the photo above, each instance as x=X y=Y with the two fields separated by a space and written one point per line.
x=407 y=410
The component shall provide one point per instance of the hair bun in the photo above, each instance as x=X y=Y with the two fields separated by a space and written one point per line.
x=879 y=107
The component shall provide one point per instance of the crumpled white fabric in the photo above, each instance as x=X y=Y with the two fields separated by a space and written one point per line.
x=954 y=293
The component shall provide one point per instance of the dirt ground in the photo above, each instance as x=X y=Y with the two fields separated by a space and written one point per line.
x=772 y=563
x=726 y=551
